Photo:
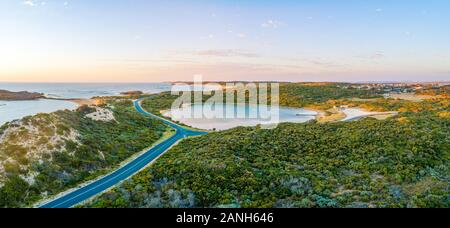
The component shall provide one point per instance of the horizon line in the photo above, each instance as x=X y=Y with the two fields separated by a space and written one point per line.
x=217 y=81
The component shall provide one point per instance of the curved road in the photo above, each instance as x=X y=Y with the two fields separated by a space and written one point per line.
x=73 y=198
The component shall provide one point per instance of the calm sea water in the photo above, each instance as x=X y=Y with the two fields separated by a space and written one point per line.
x=291 y=115
x=84 y=90
x=11 y=110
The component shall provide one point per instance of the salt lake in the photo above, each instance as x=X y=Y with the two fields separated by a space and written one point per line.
x=252 y=116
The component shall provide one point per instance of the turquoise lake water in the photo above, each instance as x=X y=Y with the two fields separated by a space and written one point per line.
x=252 y=116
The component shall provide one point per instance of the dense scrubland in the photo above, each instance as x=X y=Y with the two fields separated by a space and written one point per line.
x=403 y=161
x=45 y=154
x=16 y=96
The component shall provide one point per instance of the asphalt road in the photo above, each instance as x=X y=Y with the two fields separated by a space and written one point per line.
x=84 y=193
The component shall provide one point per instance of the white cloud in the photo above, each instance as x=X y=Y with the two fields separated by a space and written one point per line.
x=29 y=3
x=225 y=53
x=221 y=53
x=33 y=3
x=271 y=24
x=208 y=37
x=377 y=55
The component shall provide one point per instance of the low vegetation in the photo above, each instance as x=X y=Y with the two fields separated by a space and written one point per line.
x=400 y=161
x=16 y=96
x=43 y=155
x=368 y=163
x=403 y=161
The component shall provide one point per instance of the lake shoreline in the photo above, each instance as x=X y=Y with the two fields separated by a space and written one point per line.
x=360 y=113
x=219 y=120
x=52 y=97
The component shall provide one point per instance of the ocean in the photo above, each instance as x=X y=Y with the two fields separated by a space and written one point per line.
x=12 y=110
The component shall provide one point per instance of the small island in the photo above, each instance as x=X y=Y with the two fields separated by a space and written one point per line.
x=6 y=95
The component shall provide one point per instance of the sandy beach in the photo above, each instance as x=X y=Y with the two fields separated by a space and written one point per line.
x=82 y=102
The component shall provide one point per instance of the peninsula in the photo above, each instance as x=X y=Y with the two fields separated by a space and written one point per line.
x=6 y=95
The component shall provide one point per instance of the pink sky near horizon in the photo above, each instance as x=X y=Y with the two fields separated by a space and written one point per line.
x=159 y=41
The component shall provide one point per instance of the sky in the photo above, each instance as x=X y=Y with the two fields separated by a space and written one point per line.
x=224 y=40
